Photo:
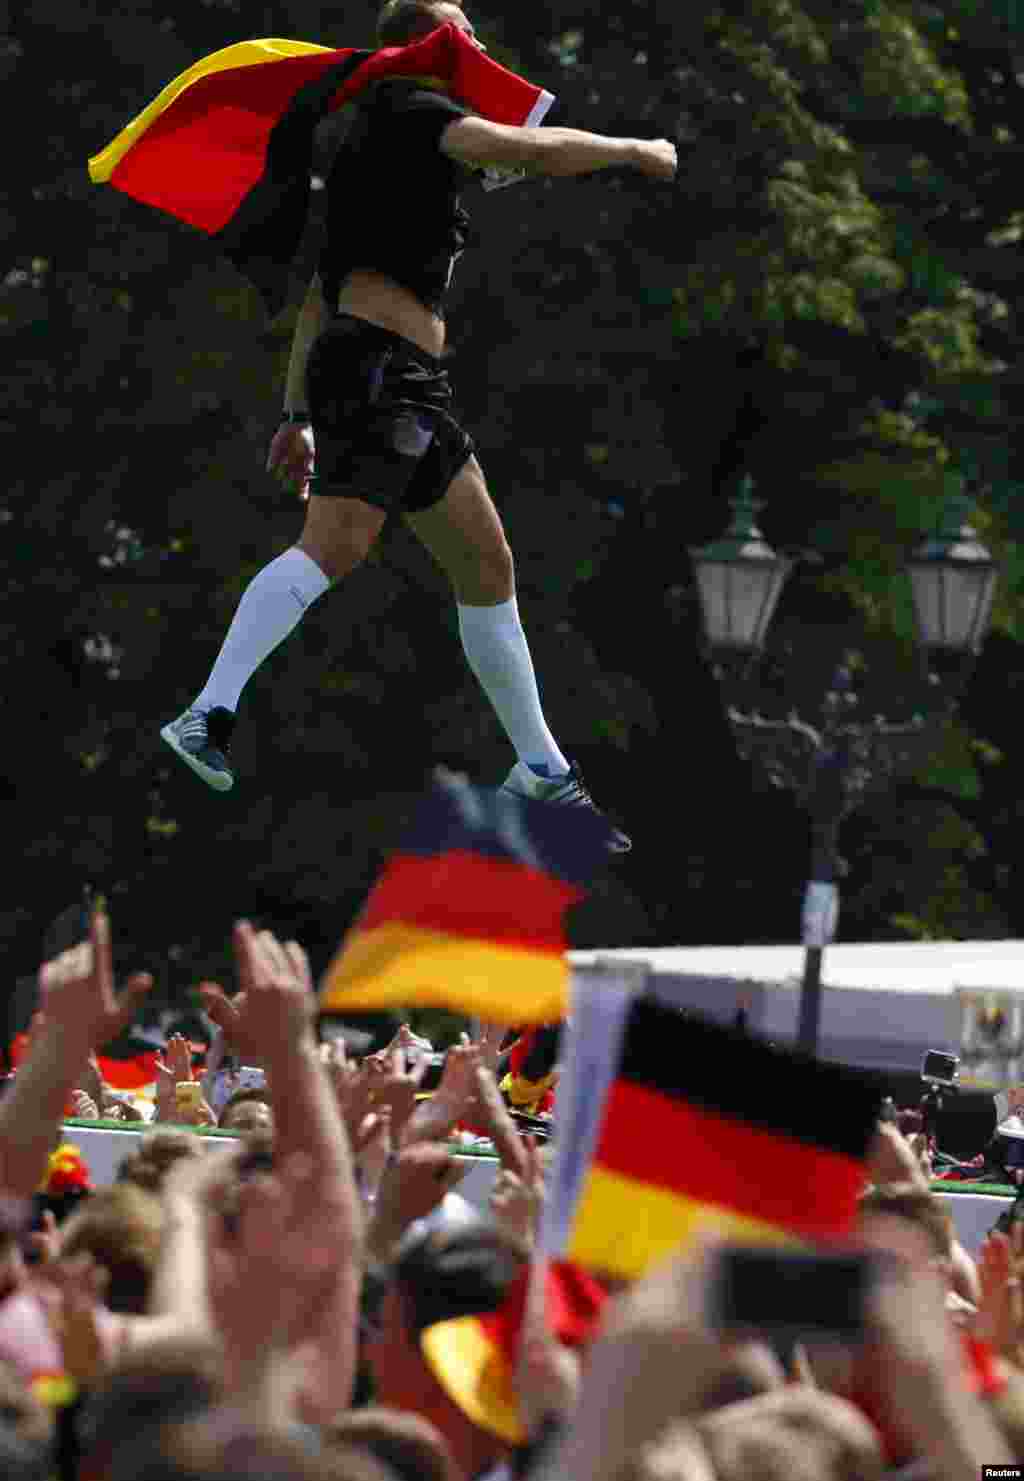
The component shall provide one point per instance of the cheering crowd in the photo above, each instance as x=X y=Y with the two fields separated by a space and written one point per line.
x=315 y=1300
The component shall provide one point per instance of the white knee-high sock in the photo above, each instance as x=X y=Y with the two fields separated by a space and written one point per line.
x=272 y=605
x=497 y=652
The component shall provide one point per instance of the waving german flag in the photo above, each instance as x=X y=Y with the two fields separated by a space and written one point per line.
x=692 y=1126
x=227 y=146
x=468 y=913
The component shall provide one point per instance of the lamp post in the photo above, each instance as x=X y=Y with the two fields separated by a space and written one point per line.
x=832 y=765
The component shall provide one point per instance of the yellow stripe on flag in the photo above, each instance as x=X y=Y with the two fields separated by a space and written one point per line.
x=242 y=54
x=622 y=1227
x=473 y=1372
x=396 y=965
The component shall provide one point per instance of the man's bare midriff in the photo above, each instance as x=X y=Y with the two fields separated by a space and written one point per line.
x=379 y=299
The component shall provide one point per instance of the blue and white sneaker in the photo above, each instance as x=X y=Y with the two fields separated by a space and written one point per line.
x=201 y=739
x=564 y=791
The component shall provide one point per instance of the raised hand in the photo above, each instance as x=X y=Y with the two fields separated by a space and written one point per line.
x=891 y=1158
x=394 y=1087
x=279 y=1003
x=494 y=1116
x=173 y=1068
x=178 y=1058
x=454 y=1097
x=292 y=457
x=278 y=1244
x=229 y=1016
x=77 y=990
x=83 y=1107
x=413 y=1185
x=517 y=1199
x=45 y=1242
x=352 y=1087
x=656 y=158
x=492 y=1036
x=1000 y=1318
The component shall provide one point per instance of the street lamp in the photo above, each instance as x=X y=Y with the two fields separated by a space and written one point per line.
x=833 y=765
x=740 y=579
x=953 y=579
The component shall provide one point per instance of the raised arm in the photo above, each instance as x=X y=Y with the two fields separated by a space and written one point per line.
x=279 y=1006
x=554 y=152
x=312 y=320
x=79 y=1013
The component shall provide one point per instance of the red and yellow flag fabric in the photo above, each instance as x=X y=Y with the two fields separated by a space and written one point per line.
x=227 y=146
x=474 y=1357
x=468 y=914
x=66 y=1172
x=133 y=1073
x=706 y=1128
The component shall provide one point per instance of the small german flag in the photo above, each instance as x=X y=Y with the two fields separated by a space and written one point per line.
x=474 y=1357
x=468 y=912
x=707 y=1128
x=227 y=147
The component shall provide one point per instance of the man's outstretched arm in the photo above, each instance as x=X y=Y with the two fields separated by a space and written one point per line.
x=555 y=152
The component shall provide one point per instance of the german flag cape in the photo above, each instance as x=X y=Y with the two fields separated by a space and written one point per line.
x=468 y=912
x=701 y=1127
x=227 y=147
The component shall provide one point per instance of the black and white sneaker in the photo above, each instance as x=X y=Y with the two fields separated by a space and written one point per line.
x=565 y=791
x=201 y=739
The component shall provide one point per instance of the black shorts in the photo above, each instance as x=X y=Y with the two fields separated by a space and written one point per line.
x=382 y=419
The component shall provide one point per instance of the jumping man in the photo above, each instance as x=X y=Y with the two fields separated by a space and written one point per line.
x=365 y=379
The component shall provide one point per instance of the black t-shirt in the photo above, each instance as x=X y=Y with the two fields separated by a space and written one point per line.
x=393 y=197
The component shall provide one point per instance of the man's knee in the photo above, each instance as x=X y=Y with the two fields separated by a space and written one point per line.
x=338 y=557
x=339 y=539
x=501 y=570
x=491 y=578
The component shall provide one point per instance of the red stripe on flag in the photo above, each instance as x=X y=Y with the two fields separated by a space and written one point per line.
x=670 y=1144
x=467 y=894
x=223 y=120
x=129 y=1074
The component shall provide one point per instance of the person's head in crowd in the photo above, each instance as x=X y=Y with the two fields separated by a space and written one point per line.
x=121 y=1227
x=168 y=1382
x=797 y=1434
x=408 y=1444
x=438 y=1277
x=247 y=1110
x=26 y=1431
x=223 y=1445
x=157 y=1152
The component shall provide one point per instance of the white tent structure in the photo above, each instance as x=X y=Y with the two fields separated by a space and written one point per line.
x=884 y=1005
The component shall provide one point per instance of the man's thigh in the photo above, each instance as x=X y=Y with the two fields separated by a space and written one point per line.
x=465 y=535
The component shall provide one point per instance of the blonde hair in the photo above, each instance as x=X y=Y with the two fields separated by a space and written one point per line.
x=121 y=1227
x=147 y=1167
